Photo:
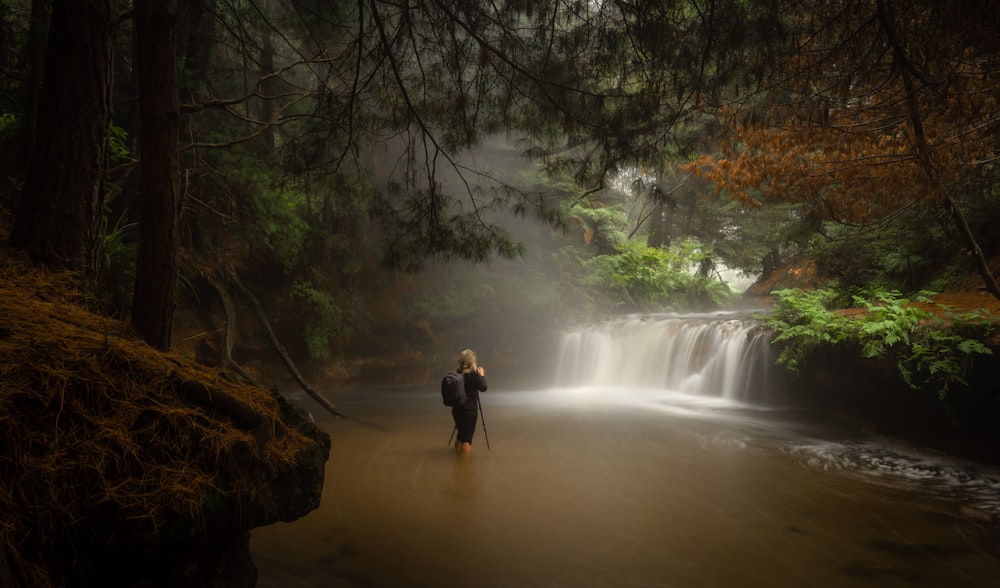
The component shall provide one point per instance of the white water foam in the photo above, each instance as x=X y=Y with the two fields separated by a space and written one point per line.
x=891 y=464
x=722 y=355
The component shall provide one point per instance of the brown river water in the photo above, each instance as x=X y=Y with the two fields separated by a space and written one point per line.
x=629 y=487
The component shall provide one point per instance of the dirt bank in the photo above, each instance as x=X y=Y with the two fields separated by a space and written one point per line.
x=121 y=464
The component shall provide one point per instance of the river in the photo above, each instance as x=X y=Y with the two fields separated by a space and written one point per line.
x=631 y=485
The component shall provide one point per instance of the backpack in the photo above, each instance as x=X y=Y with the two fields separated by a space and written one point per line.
x=453 y=389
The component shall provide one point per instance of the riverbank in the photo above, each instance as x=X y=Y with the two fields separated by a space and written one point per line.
x=962 y=418
x=125 y=466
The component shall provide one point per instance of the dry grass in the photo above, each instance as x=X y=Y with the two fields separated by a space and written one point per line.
x=91 y=421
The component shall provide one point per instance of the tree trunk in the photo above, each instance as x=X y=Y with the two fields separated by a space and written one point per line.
x=657 y=227
x=268 y=89
x=196 y=40
x=230 y=334
x=38 y=40
x=658 y=236
x=58 y=217
x=160 y=196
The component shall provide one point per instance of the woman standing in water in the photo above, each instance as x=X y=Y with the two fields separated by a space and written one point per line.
x=465 y=415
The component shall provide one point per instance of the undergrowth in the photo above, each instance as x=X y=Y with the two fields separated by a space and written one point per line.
x=929 y=349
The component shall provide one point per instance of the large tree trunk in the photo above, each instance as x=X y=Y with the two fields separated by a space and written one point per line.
x=58 y=217
x=38 y=42
x=160 y=194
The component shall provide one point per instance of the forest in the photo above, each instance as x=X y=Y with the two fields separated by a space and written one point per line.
x=345 y=192
x=344 y=163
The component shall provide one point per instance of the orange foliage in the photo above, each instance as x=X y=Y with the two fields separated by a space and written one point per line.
x=841 y=132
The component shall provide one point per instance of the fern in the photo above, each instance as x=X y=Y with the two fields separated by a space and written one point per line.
x=115 y=276
x=327 y=319
x=643 y=278
x=929 y=351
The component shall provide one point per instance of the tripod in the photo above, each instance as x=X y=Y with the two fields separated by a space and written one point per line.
x=481 y=418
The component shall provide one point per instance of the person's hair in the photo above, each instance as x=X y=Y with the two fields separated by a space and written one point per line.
x=467 y=361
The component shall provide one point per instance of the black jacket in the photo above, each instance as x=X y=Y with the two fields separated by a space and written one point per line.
x=474 y=384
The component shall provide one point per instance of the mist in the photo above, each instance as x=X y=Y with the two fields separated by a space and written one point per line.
x=512 y=311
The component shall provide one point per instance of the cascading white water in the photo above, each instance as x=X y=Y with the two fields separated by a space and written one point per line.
x=720 y=355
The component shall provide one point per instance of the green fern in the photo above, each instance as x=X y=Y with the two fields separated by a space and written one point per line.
x=929 y=350
x=114 y=279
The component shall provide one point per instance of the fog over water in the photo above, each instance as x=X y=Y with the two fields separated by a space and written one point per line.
x=651 y=483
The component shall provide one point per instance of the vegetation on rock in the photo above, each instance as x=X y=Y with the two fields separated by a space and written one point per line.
x=121 y=462
x=929 y=348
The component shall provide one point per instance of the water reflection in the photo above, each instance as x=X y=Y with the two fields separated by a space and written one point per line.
x=585 y=487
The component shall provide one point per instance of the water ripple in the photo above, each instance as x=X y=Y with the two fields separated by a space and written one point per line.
x=879 y=462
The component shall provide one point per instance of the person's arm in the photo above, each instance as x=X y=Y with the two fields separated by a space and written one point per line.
x=482 y=379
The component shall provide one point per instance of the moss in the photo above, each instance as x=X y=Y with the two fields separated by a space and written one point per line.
x=111 y=466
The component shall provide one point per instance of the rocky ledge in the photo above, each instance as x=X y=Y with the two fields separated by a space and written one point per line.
x=124 y=466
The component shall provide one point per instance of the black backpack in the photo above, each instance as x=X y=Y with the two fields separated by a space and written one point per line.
x=453 y=389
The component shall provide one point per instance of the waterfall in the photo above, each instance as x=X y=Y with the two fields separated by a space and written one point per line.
x=721 y=355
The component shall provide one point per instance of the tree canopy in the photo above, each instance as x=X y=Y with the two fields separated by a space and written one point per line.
x=876 y=107
x=321 y=147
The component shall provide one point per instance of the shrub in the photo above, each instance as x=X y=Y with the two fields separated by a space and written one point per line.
x=929 y=350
